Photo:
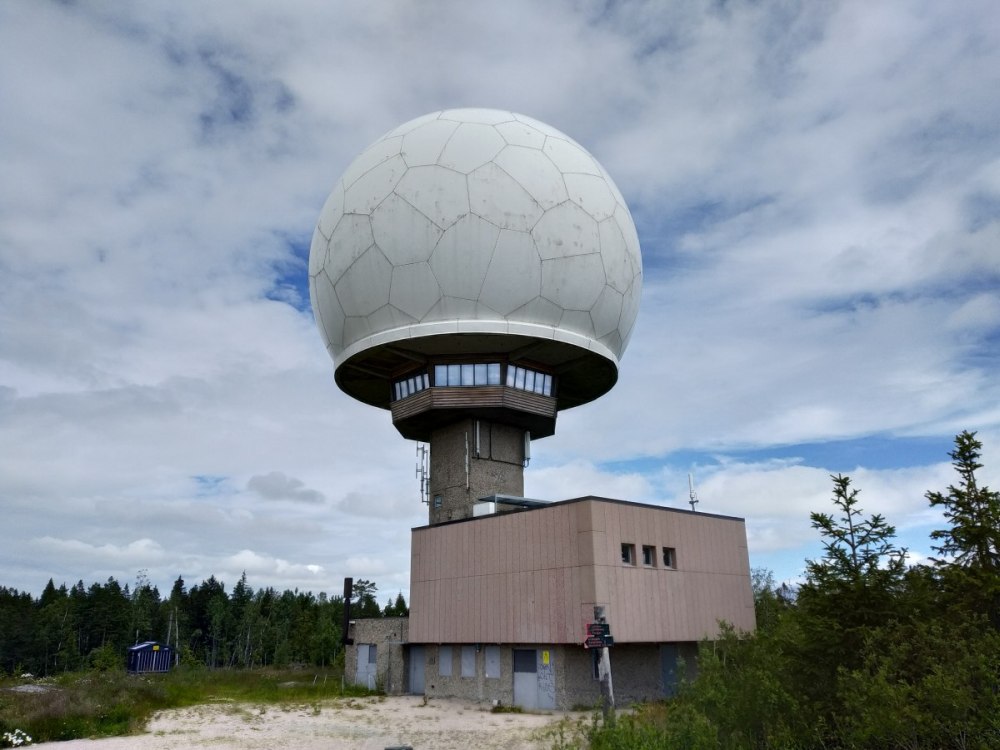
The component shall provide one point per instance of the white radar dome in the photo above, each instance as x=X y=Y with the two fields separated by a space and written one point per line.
x=471 y=231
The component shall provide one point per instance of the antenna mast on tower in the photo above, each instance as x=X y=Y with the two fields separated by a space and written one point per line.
x=423 y=475
x=691 y=493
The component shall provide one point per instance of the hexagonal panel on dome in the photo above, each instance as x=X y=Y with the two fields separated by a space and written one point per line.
x=403 y=233
x=607 y=312
x=566 y=230
x=540 y=310
x=518 y=133
x=414 y=289
x=592 y=194
x=371 y=157
x=350 y=239
x=462 y=256
x=500 y=199
x=535 y=173
x=330 y=314
x=388 y=316
x=319 y=249
x=458 y=309
x=541 y=127
x=578 y=321
x=575 y=282
x=515 y=257
x=423 y=145
x=364 y=287
x=569 y=157
x=374 y=186
x=470 y=147
x=614 y=251
x=331 y=211
x=437 y=192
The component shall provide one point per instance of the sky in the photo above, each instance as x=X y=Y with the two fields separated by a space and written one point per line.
x=816 y=188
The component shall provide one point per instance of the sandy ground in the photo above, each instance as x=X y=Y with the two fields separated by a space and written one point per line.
x=359 y=723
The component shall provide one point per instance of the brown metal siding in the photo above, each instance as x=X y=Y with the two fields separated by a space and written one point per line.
x=534 y=577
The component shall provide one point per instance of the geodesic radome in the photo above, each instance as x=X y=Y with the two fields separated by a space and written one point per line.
x=475 y=221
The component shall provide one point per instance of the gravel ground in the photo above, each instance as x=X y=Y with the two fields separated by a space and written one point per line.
x=355 y=724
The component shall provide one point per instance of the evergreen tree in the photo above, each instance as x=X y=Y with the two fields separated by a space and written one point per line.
x=851 y=590
x=970 y=547
x=365 y=604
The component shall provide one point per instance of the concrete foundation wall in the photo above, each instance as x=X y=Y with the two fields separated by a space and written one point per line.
x=479 y=687
x=636 y=670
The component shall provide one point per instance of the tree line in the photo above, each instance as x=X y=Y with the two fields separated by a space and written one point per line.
x=868 y=652
x=80 y=627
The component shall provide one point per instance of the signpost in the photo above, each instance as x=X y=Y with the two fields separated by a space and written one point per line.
x=599 y=636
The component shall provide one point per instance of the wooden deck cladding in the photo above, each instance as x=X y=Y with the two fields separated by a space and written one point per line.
x=418 y=415
x=535 y=576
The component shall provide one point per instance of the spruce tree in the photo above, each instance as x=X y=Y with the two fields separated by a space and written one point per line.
x=970 y=546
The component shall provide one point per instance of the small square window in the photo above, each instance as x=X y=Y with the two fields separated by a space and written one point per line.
x=648 y=556
x=669 y=557
x=628 y=554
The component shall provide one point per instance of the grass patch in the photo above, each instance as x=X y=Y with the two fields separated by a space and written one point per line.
x=113 y=703
x=500 y=708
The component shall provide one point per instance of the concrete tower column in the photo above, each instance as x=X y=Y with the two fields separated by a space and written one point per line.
x=471 y=459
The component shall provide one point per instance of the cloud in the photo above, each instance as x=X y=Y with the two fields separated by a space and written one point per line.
x=278 y=486
x=581 y=478
x=256 y=565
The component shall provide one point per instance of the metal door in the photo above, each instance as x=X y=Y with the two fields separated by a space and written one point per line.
x=546 y=680
x=417 y=666
x=668 y=668
x=367 y=659
x=526 y=678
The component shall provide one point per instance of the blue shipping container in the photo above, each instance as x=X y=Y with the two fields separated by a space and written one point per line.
x=149 y=657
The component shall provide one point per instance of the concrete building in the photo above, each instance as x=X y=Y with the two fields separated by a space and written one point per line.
x=474 y=272
x=515 y=591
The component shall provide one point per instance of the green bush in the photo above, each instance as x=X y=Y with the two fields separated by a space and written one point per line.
x=675 y=725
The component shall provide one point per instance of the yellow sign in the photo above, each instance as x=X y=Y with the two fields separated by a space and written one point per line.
x=156 y=648
x=545 y=657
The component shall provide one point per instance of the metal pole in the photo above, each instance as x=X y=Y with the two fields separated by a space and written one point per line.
x=604 y=673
